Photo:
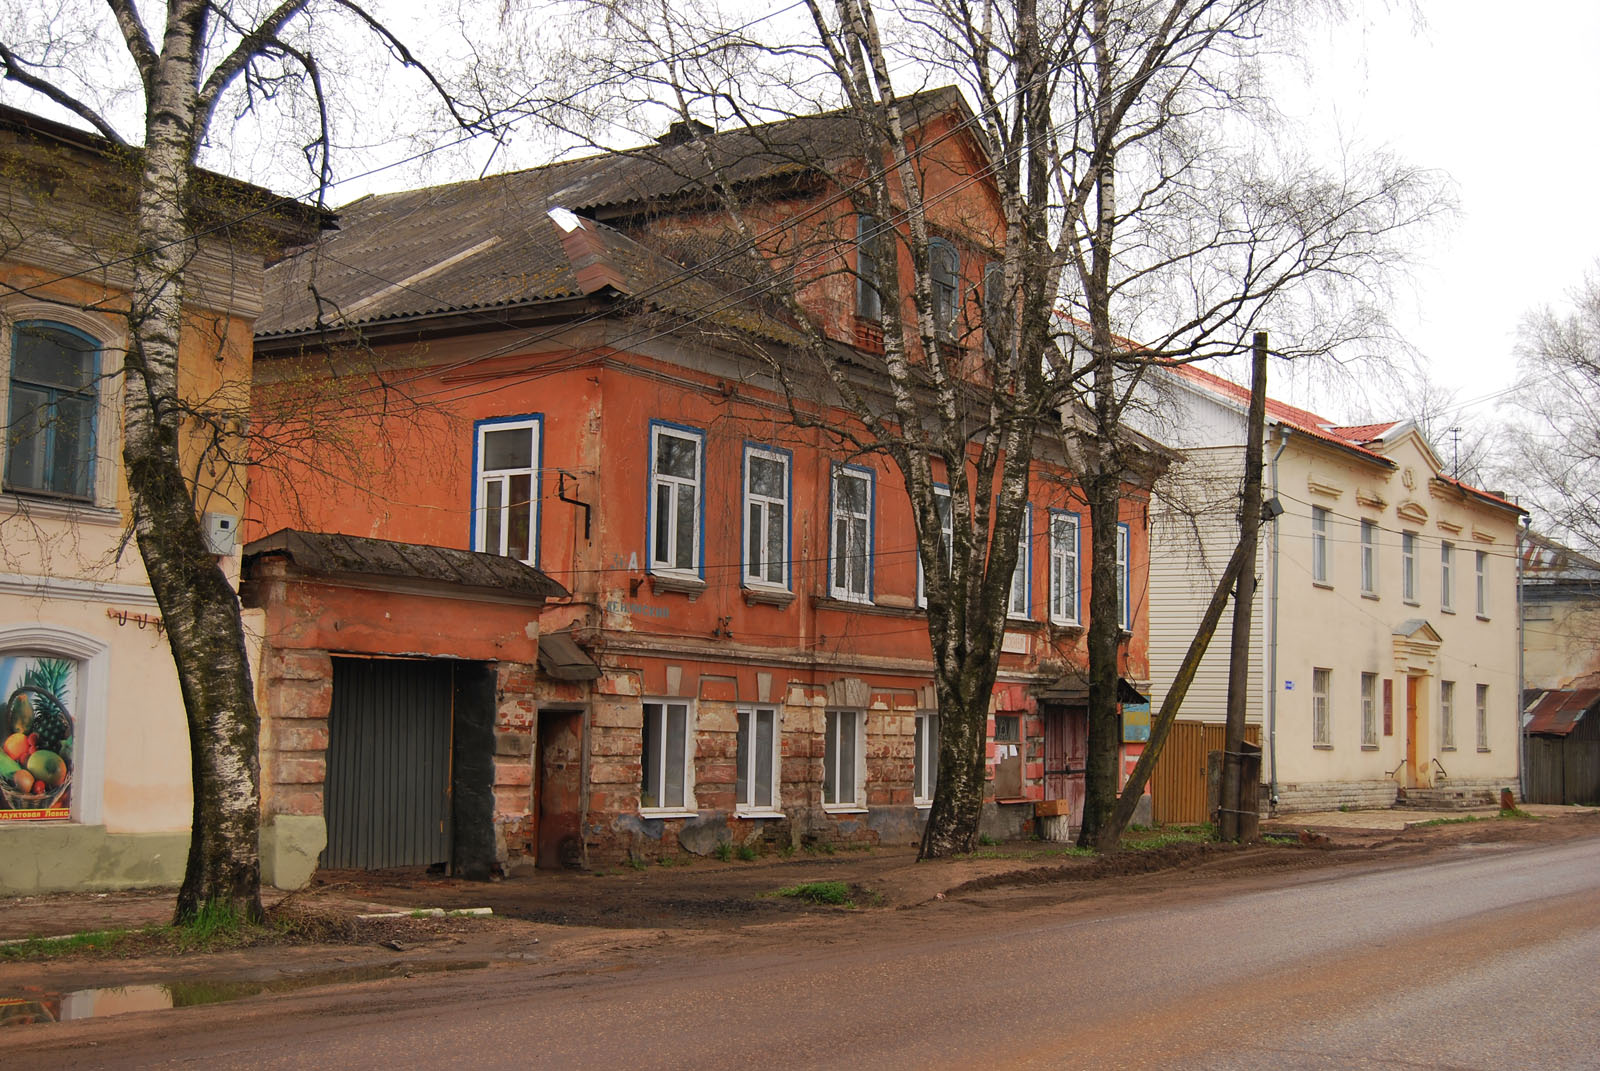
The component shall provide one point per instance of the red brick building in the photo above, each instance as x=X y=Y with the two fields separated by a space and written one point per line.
x=588 y=390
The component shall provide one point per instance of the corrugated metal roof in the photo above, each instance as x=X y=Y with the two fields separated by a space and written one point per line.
x=330 y=553
x=1557 y=713
x=489 y=244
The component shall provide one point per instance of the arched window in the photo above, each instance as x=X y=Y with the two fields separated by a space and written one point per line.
x=944 y=265
x=49 y=445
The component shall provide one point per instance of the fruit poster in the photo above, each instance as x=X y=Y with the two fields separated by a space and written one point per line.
x=36 y=724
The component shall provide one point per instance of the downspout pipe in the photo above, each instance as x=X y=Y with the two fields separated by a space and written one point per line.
x=1282 y=434
x=1522 y=660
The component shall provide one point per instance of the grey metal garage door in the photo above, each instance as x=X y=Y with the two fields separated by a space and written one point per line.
x=387 y=795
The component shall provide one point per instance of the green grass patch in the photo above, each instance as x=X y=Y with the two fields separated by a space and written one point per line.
x=723 y=851
x=1167 y=836
x=1515 y=812
x=747 y=852
x=98 y=942
x=834 y=893
x=1448 y=821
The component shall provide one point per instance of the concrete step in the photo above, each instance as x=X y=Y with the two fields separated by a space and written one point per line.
x=1446 y=799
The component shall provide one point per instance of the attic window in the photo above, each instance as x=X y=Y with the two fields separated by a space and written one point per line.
x=685 y=130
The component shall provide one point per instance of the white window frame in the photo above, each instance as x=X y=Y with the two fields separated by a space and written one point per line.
x=1369 y=558
x=1447 y=715
x=925 y=758
x=661 y=710
x=1322 y=707
x=1408 y=568
x=944 y=504
x=1481 y=570
x=1319 y=545
x=1369 y=710
x=1124 y=588
x=1482 y=705
x=1019 y=603
x=748 y=802
x=1447 y=576
x=840 y=587
x=1066 y=534
x=485 y=479
x=757 y=563
x=837 y=766
x=666 y=560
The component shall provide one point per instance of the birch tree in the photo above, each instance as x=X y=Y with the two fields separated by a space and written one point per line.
x=1554 y=443
x=1146 y=194
x=197 y=70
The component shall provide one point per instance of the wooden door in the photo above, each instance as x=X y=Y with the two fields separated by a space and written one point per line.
x=560 y=789
x=1413 y=775
x=1066 y=753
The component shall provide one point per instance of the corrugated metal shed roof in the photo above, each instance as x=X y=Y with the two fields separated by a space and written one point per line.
x=1557 y=713
x=329 y=553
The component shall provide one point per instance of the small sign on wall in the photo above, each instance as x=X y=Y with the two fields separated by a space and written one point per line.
x=1135 y=723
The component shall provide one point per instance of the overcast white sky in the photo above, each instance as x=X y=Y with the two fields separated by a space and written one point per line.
x=1504 y=97
x=1501 y=97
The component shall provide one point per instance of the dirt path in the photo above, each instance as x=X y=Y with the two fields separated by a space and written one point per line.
x=562 y=921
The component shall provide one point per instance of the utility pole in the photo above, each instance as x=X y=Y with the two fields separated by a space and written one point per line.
x=1228 y=815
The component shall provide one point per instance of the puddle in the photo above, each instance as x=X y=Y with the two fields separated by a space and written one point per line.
x=39 y=1006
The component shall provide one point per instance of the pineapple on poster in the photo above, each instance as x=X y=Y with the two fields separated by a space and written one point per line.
x=36 y=753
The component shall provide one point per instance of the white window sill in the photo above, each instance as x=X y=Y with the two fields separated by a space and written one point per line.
x=1058 y=623
x=1446 y=610
x=769 y=596
x=12 y=504
x=1373 y=595
x=758 y=812
x=1323 y=584
x=844 y=808
x=682 y=583
x=667 y=812
x=1483 y=617
x=922 y=805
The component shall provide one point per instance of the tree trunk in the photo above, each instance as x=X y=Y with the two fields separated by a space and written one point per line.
x=199 y=608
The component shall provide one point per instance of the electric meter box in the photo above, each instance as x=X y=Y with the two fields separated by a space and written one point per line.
x=222 y=532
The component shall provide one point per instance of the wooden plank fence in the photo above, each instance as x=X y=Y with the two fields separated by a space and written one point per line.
x=1178 y=783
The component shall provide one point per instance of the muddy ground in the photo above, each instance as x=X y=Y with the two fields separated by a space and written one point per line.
x=574 y=920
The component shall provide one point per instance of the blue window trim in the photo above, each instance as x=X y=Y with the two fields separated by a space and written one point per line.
x=650 y=500
x=92 y=447
x=1077 y=567
x=750 y=447
x=1125 y=577
x=1026 y=542
x=872 y=527
x=538 y=478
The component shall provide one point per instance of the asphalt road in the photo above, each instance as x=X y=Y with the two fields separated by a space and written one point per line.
x=1482 y=957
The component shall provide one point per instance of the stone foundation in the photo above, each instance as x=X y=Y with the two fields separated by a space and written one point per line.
x=1304 y=796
